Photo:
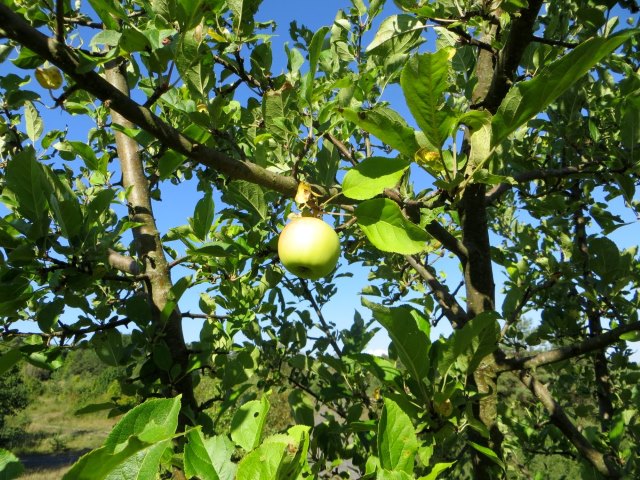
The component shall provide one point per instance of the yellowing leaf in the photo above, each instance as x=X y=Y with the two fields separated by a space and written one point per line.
x=49 y=78
x=216 y=35
x=424 y=155
x=304 y=193
x=428 y=158
x=202 y=108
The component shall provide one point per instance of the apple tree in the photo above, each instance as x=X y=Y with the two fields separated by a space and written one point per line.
x=494 y=203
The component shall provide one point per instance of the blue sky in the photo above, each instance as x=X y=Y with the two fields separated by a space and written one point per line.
x=181 y=199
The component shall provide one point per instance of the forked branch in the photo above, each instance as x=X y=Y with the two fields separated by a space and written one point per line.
x=559 y=418
x=589 y=345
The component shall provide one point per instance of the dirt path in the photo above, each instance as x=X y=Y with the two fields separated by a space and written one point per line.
x=37 y=462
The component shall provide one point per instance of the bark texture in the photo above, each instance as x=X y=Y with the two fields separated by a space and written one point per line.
x=148 y=246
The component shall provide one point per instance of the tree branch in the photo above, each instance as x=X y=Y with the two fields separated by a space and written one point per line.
x=493 y=194
x=450 y=306
x=66 y=331
x=465 y=36
x=60 y=21
x=342 y=148
x=204 y=316
x=564 y=353
x=519 y=36
x=600 y=366
x=123 y=263
x=65 y=58
x=554 y=43
x=559 y=418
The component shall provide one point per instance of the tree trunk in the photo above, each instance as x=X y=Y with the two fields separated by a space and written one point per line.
x=148 y=246
x=600 y=366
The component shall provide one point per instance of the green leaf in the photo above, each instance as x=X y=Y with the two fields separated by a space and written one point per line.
x=604 y=258
x=10 y=466
x=109 y=12
x=248 y=422
x=479 y=123
x=397 y=34
x=9 y=359
x=526 y=99
x=436 y=470
x=263 y=462
x=388 y=126
x=25 y=178
x=424 y=80
x=203 y=216
x=85 y=152
x=213 y=249
x=488 y=453
x=301 y=408
x=48 y=314
x=467 y=346
x=220 y=450
x=274 y=113
x=108 y=346
x=280 y=457
x=153 y=421
x=379 y=367
x=95 y=407
x=143 y=464
x=195 y=63
x=315 y=48
x=371 y=176
x=161 y=355
x=27 y=59
x=110 y=38
x=175 y=294
x=243 y=12
x=98 y=464
x=135 y=445
x=67 y=214
x=169 y=163
x=241 y=368
x=409 y=332
x=249 y=197
x=383 y=474
x=397 y=440
x=387 y=229
x=197 y=460
x=630 y=126
x=33 y=122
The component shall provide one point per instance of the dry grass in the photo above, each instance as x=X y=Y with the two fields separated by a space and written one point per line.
x=53 y=428
x=54 y=437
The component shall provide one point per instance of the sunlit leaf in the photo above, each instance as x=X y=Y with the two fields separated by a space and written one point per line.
x=371 y=176
x=527 y=99
x=386 y=227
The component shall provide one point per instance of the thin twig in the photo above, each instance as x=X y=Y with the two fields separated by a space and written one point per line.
x=205 y=316
x=554 y=43
x=325 y=326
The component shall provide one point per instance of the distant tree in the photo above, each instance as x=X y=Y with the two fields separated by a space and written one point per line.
x=13 y=396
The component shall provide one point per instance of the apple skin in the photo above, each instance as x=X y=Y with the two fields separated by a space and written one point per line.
x=309 y=248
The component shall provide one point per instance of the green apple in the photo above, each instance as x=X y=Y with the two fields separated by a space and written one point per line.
x=309 y=248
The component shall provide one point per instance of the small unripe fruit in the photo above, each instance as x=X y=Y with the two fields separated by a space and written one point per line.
x=309 y=248
x=49 y=78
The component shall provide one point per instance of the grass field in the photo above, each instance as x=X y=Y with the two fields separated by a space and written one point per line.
x=50 y=435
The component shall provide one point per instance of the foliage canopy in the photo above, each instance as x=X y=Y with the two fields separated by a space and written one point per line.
x=519 y=162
